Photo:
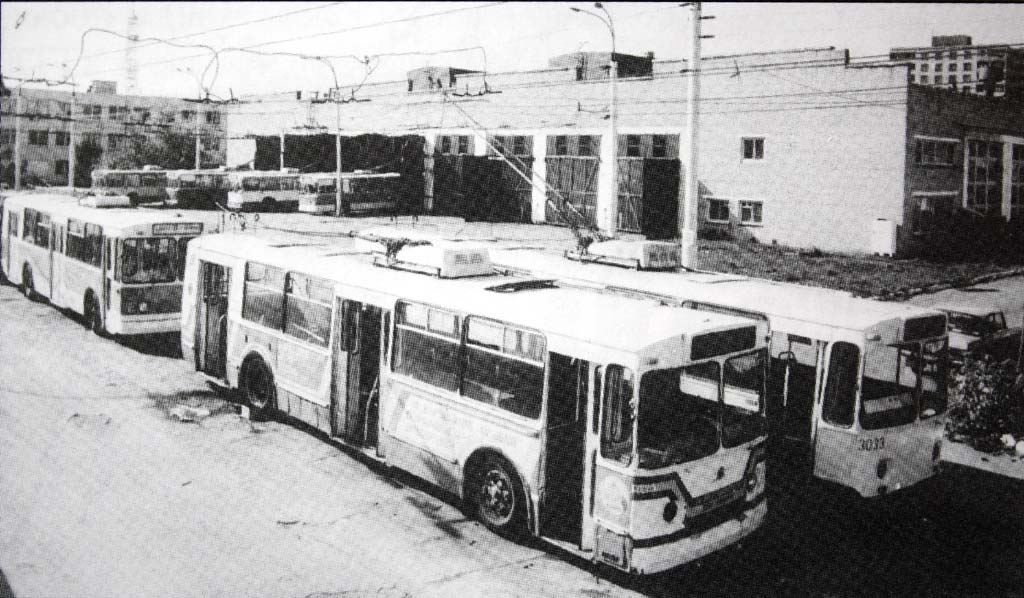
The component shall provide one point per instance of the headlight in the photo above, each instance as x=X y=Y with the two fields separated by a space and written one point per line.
x=756 y=481
x=143 y=307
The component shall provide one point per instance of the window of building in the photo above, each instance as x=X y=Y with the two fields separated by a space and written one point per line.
x=187 y=115
x=446 y=144
x=750 y=212
x=463 y=144
x=952 y=66
x=561 y=145
x=967 y=66
x=924 y=68
x=211 y=143
x=94 y=111
x=521 y=145
x=913 y=66
x=633 y=145
x=935 y=152
x=213 y=118
x=113 y=140
x=966 y=77
x=90 y=138
x=39 y=137
x=659 y=146
x=753 y=148
x=967 y=53
x=938 y=67
x=7 y=136
x=61 y=138
x=979 y=88
x=984 y=176
x=586 y=146
x=718 y=210
x=167 y=116
x=60 y=167
x=117 y=112
x=263 y=295
x=952 y=78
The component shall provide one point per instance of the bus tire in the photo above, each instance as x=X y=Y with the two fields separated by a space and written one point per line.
x=133 y=198
x=94 y=315
x=497 y=495
x=269 y=204
x=27 y=285
x=257 y=386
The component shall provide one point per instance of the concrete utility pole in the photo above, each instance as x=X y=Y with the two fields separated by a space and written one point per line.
x=71 y=142
x=689 y=211
x=337 y=155
x=608 y=221
x=17 y=141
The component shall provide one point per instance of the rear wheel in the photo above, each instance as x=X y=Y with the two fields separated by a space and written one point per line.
x=498 y=496
x=94 y=316
x=268 y=205
x=27 y=285
x=258 y=388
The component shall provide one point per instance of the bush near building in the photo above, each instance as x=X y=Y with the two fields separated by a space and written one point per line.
x=986 y=402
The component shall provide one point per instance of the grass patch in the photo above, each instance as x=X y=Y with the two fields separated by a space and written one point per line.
x=866 y=276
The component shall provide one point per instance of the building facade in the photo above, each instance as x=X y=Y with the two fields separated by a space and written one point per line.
x=799 y=148
x=952 y=62
x=40 y=126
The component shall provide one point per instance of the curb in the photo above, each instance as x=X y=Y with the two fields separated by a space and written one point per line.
x=904 y=294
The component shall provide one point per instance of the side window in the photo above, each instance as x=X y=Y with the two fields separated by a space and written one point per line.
x=42 y=237
x=263 y=301
x=598 y=384
x=841 y=386
x=504 y=367
x=617 y=428
x=29 y=231
x=427 y=345
x=308 y=309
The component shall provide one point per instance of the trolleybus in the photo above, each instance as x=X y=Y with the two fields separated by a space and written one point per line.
x=263 y=191
x=856 y=386
x=627 y=432
x=198 y=189
x=361 y=192
x=120 y=268
x=145 y=185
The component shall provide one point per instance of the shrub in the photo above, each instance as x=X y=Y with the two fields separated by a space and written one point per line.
x=986 y=401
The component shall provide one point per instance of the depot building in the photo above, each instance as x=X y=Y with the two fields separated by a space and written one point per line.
x=803 y=148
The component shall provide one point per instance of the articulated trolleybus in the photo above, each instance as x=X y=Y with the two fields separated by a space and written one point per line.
x=858 y=386
x=624 y=431
x=118 y=267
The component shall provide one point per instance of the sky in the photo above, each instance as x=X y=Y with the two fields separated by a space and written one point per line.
x=44 y=39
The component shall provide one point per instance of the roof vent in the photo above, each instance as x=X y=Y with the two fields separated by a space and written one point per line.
x=105 y=201
x=444 y=260
x=641 y=255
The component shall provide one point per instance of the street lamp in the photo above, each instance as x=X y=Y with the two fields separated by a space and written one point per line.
x=337 y=132
x=610 y=153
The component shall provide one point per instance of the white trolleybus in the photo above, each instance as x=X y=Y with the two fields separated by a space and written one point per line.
x=857 y=387
x=119 y=267
x=263 y=190
x=145 y=185
x=198 y=189
x=361 y=192
x=627 y=432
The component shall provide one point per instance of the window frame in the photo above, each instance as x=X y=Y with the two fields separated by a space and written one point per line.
x=712 y=201
x=757 y=142
x=756 y=209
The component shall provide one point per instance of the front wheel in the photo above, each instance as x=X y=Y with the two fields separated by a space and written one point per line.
x=27 y=285
x=258 y=389
x=94 y=317
x=498 y=496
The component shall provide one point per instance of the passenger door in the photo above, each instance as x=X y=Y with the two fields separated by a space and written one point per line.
x=355 y=372
x=211 y=347
x=565 y=442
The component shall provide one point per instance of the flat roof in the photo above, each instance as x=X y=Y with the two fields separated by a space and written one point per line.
x=108 y=218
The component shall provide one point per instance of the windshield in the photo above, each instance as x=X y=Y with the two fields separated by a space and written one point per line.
x=679 y=414
x=975 y=325
x=889 y=390
x=152 y=260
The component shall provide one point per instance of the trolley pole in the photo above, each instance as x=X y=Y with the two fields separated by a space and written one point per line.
x=337 y=158
x=71 y=142
x=17 y=141
x=689 y=211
